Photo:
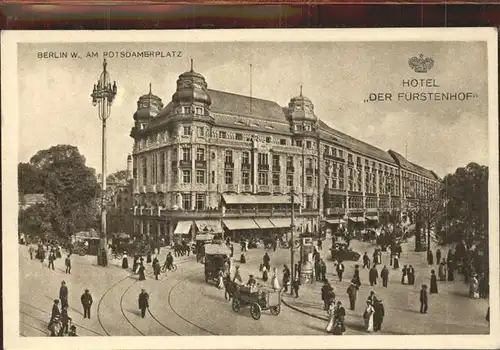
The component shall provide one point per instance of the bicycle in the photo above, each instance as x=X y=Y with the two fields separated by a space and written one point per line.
x=172 y=268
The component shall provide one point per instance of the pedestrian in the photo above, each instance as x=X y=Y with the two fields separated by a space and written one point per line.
x=372 y=298
x=434 y=285
x=231 y=247
x=483 y=286
x=286 y=277
x=67 y=262
x=373 y=275
x=423 y=299
x=295 y=287
x=148 y=257
x=65 y=321
x=404 y=276
x=326 y=294
x=368 y=316
x=265 y=273
x=356 y=275
x=52 y=258
x=229 y=287
x=55 y=311
x=31 y=250
x=352 y=292
x=396 y=261
x=451 y=272
x=384 y=274
x=237 y=276
x=143 y=302
x=340 y=270
x=322 y=269
x=274 y=279
x=366 y=260
x=135 y=265
x=474 y=287
x=330 y=308
x=125 y=261
x=430 y=257
x=63 y=294
x=55 y=326
x=317 y=270
x=339 y=313
x=411 y=275
x=87 y=301
x=266 y=261
x=438 y=256
x=72 y=331
x=156 y=267
x=243 y=259
x=442 y=271
x=142 y=274
x=320 y=244
x=378 y=315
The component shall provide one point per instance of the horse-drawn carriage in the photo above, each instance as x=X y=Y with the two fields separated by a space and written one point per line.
x=258 y=299
x=341 y=252
x=217 y=258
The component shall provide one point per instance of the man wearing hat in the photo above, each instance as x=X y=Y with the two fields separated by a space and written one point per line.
x=423 y=299
x=87 y=301
x=352 y=291
x=55 y=311
x=63 y=294
x=143 y=302
x=251 y=281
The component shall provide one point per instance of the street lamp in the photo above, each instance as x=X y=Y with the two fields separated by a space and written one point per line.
x=103 y=95
x=292 y=227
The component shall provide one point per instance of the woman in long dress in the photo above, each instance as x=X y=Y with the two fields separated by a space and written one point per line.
x=331 y=316
x=474 y=288
x=125 y=261
x=142 y=275
x=434 y=285
x=265 y=274
x=442 y=271
x=404 y=278
x=396 y=261
x=274 y=280
x=368 y=316
x=220 y=283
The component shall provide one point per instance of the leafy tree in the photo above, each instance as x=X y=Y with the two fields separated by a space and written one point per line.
x=70 y=189
x=30 y=179
x=118 y=176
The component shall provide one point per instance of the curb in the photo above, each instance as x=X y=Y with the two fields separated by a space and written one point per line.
x=303 y=311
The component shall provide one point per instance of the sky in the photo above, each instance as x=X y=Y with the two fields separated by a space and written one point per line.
x=55 y=105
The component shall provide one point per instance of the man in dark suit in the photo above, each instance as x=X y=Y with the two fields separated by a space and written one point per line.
x=63 y=294
x=340 y=270
x=423 y=299
x=55 y=311
x=385 y=276
x=143 y=302
x=87 y=301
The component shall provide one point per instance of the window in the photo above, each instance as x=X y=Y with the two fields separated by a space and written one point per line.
x=144 y=171
x=276 y=179
x=229 y=156
x=263 y=159
x=289 y=162
x=308 y=144
x=268 y=139
x=263 y=178
x=309 y=180
x=327 y=150
x=186 y=176
x=283 y=142
x=154 y=165
x=222 y=134
x=349 y=157
x=186 y=154
x=200 y=154
x=200 y=201
x=199 y=110
x=341 y=153
x=187 y=131
x=327 y=182
x=245 y=158
x=239 y=136
x=200 y=176
x=309 y=163
x=163 y=168
x=175 y=176
x=358 y=160
x=201 y=131
x=229 y=177
x=309 y=202
x=186 y=201
x=341 y=183
x=276 y=160
x=187 y=110
x=334 y=152
x=245 y=178
x=298 y=143
x=213 y=176
x=289 y=180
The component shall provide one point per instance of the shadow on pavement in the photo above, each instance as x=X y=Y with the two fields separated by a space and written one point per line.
x=134 y=312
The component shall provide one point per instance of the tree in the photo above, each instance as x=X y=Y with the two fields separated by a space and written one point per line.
x=31 y=180
x=70 y=189
x=428 y=213
x=119 y=176
x=466 y=204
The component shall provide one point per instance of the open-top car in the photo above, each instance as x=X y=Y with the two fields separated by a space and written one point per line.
x=341 y=252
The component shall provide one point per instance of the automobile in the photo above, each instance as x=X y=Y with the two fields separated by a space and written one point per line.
x=341 y=252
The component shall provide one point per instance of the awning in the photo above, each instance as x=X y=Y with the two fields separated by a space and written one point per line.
x=357 y=219
x=208 y=226
x=335 y=221
x=373 y=218
x=264 y=223
x=281 y=222
x=183 y=228
x=240 y=224
x=253 y=199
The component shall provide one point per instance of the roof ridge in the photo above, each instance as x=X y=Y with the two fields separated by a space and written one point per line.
x=252 y=97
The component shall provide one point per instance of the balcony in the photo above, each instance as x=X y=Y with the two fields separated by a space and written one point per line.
x=151 y=188
x=263 y=167
x=335 y=211
x=246 y=188
x=228 y=165
x=309 y=171
x=245 y=166
x=331 y=156
x=232 y=188
x=290 y=169
x=264 y=189
x=276 y=168
x=185 y=163
x=200 y=164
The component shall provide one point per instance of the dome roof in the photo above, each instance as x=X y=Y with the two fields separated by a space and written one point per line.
x=301 y=108
x=192 y=87
x=148 y=106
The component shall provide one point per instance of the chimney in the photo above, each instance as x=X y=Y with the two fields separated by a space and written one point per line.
x=129 y=166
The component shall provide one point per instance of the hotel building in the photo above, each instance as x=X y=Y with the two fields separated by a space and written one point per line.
x=214 y=160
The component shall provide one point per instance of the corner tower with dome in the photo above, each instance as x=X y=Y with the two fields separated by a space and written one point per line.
x=212 y=161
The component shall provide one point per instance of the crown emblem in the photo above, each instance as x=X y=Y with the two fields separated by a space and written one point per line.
x=421 y=64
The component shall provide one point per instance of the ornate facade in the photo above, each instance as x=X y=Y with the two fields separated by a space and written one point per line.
x=213 y=159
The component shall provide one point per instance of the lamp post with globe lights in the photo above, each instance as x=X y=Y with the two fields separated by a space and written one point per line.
x=103 y=94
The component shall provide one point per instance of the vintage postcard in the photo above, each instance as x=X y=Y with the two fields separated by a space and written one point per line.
x=250 y=189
